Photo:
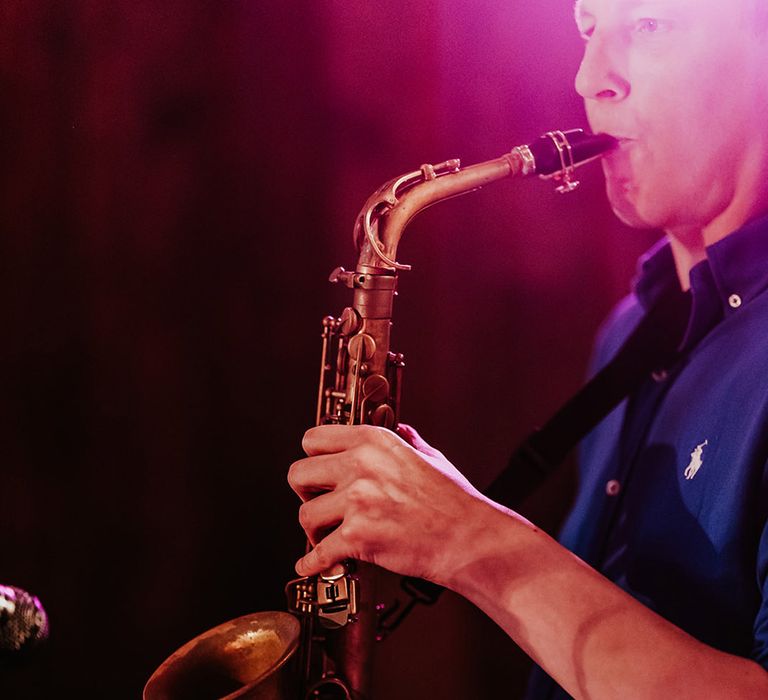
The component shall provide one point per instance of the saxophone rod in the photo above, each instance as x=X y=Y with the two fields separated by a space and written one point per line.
x=553 y=156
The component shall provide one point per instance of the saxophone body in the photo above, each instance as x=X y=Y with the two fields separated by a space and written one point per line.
x=322 y=648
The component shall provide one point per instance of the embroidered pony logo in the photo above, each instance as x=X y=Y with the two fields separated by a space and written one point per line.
x=696 y=461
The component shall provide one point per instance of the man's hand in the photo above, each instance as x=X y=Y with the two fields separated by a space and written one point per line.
x=388 y=499
x=371 y=495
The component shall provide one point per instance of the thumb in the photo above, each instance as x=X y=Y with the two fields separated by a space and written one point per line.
x=412 y=437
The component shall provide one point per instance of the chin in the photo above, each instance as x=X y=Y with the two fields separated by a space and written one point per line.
x=632 y=219
x=628 y=210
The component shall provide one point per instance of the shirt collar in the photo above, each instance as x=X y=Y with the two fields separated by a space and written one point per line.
x=734 y=272
x=656 y=274
x=739 y=264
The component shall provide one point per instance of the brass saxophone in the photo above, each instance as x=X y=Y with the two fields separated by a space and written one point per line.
x=322 y=647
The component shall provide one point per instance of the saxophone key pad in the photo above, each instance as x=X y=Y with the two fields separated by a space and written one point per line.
x=361 y=347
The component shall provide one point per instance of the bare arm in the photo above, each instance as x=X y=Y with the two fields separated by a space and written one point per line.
x=410 y=511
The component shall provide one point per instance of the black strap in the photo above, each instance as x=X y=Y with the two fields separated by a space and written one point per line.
x=652 y=346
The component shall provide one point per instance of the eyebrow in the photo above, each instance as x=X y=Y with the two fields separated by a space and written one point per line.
x=580 y=11
x=627 y=3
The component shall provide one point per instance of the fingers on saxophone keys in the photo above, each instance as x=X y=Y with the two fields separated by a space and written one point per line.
x=329 y=439
x=323 y=556
x=312 y=476
x=319 y=516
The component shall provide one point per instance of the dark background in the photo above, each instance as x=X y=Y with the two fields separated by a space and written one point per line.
x=177 y=179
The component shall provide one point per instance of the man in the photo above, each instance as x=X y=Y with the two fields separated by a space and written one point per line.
x=673 y=500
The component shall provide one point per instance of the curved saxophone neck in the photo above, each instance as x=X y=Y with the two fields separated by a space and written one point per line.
x=382 y=221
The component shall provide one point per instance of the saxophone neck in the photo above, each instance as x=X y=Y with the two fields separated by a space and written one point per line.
x=381 y=222
x=384 y=217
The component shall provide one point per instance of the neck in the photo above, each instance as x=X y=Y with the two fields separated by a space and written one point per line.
x=688 y=248
x=689 y=243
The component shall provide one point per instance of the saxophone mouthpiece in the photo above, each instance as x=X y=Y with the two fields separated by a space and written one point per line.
x=557 y=154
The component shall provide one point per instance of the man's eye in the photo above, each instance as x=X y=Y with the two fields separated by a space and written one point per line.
x=648 y=25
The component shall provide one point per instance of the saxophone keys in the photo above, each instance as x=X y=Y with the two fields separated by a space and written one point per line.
x=336 y=592
x=384 y=417
x=361 y=347
x=350 y=322
x=376 y=389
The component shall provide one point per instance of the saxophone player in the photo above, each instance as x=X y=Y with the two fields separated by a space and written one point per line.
x=658 y=586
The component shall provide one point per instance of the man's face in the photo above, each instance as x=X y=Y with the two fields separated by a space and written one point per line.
x=682 y=83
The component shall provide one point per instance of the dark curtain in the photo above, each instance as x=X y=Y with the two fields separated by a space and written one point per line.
x=176 y=181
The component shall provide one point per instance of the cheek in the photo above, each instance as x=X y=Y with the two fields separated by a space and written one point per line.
x=721 y=91
x=683 y=127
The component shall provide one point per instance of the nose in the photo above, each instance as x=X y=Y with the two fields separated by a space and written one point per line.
x=601 y=75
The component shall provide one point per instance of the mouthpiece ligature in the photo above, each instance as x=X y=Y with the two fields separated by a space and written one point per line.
x=557 y=154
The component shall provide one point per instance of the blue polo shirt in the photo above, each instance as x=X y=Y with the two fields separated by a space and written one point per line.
x=673 y=493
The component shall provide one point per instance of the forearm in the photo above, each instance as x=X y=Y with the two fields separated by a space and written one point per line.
x=368 y=495
x=592 y=637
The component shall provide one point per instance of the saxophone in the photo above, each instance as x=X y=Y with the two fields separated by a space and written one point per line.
x=322 y=648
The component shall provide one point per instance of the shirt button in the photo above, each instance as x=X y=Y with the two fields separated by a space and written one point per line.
x=613 y=487
x=734 y=301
